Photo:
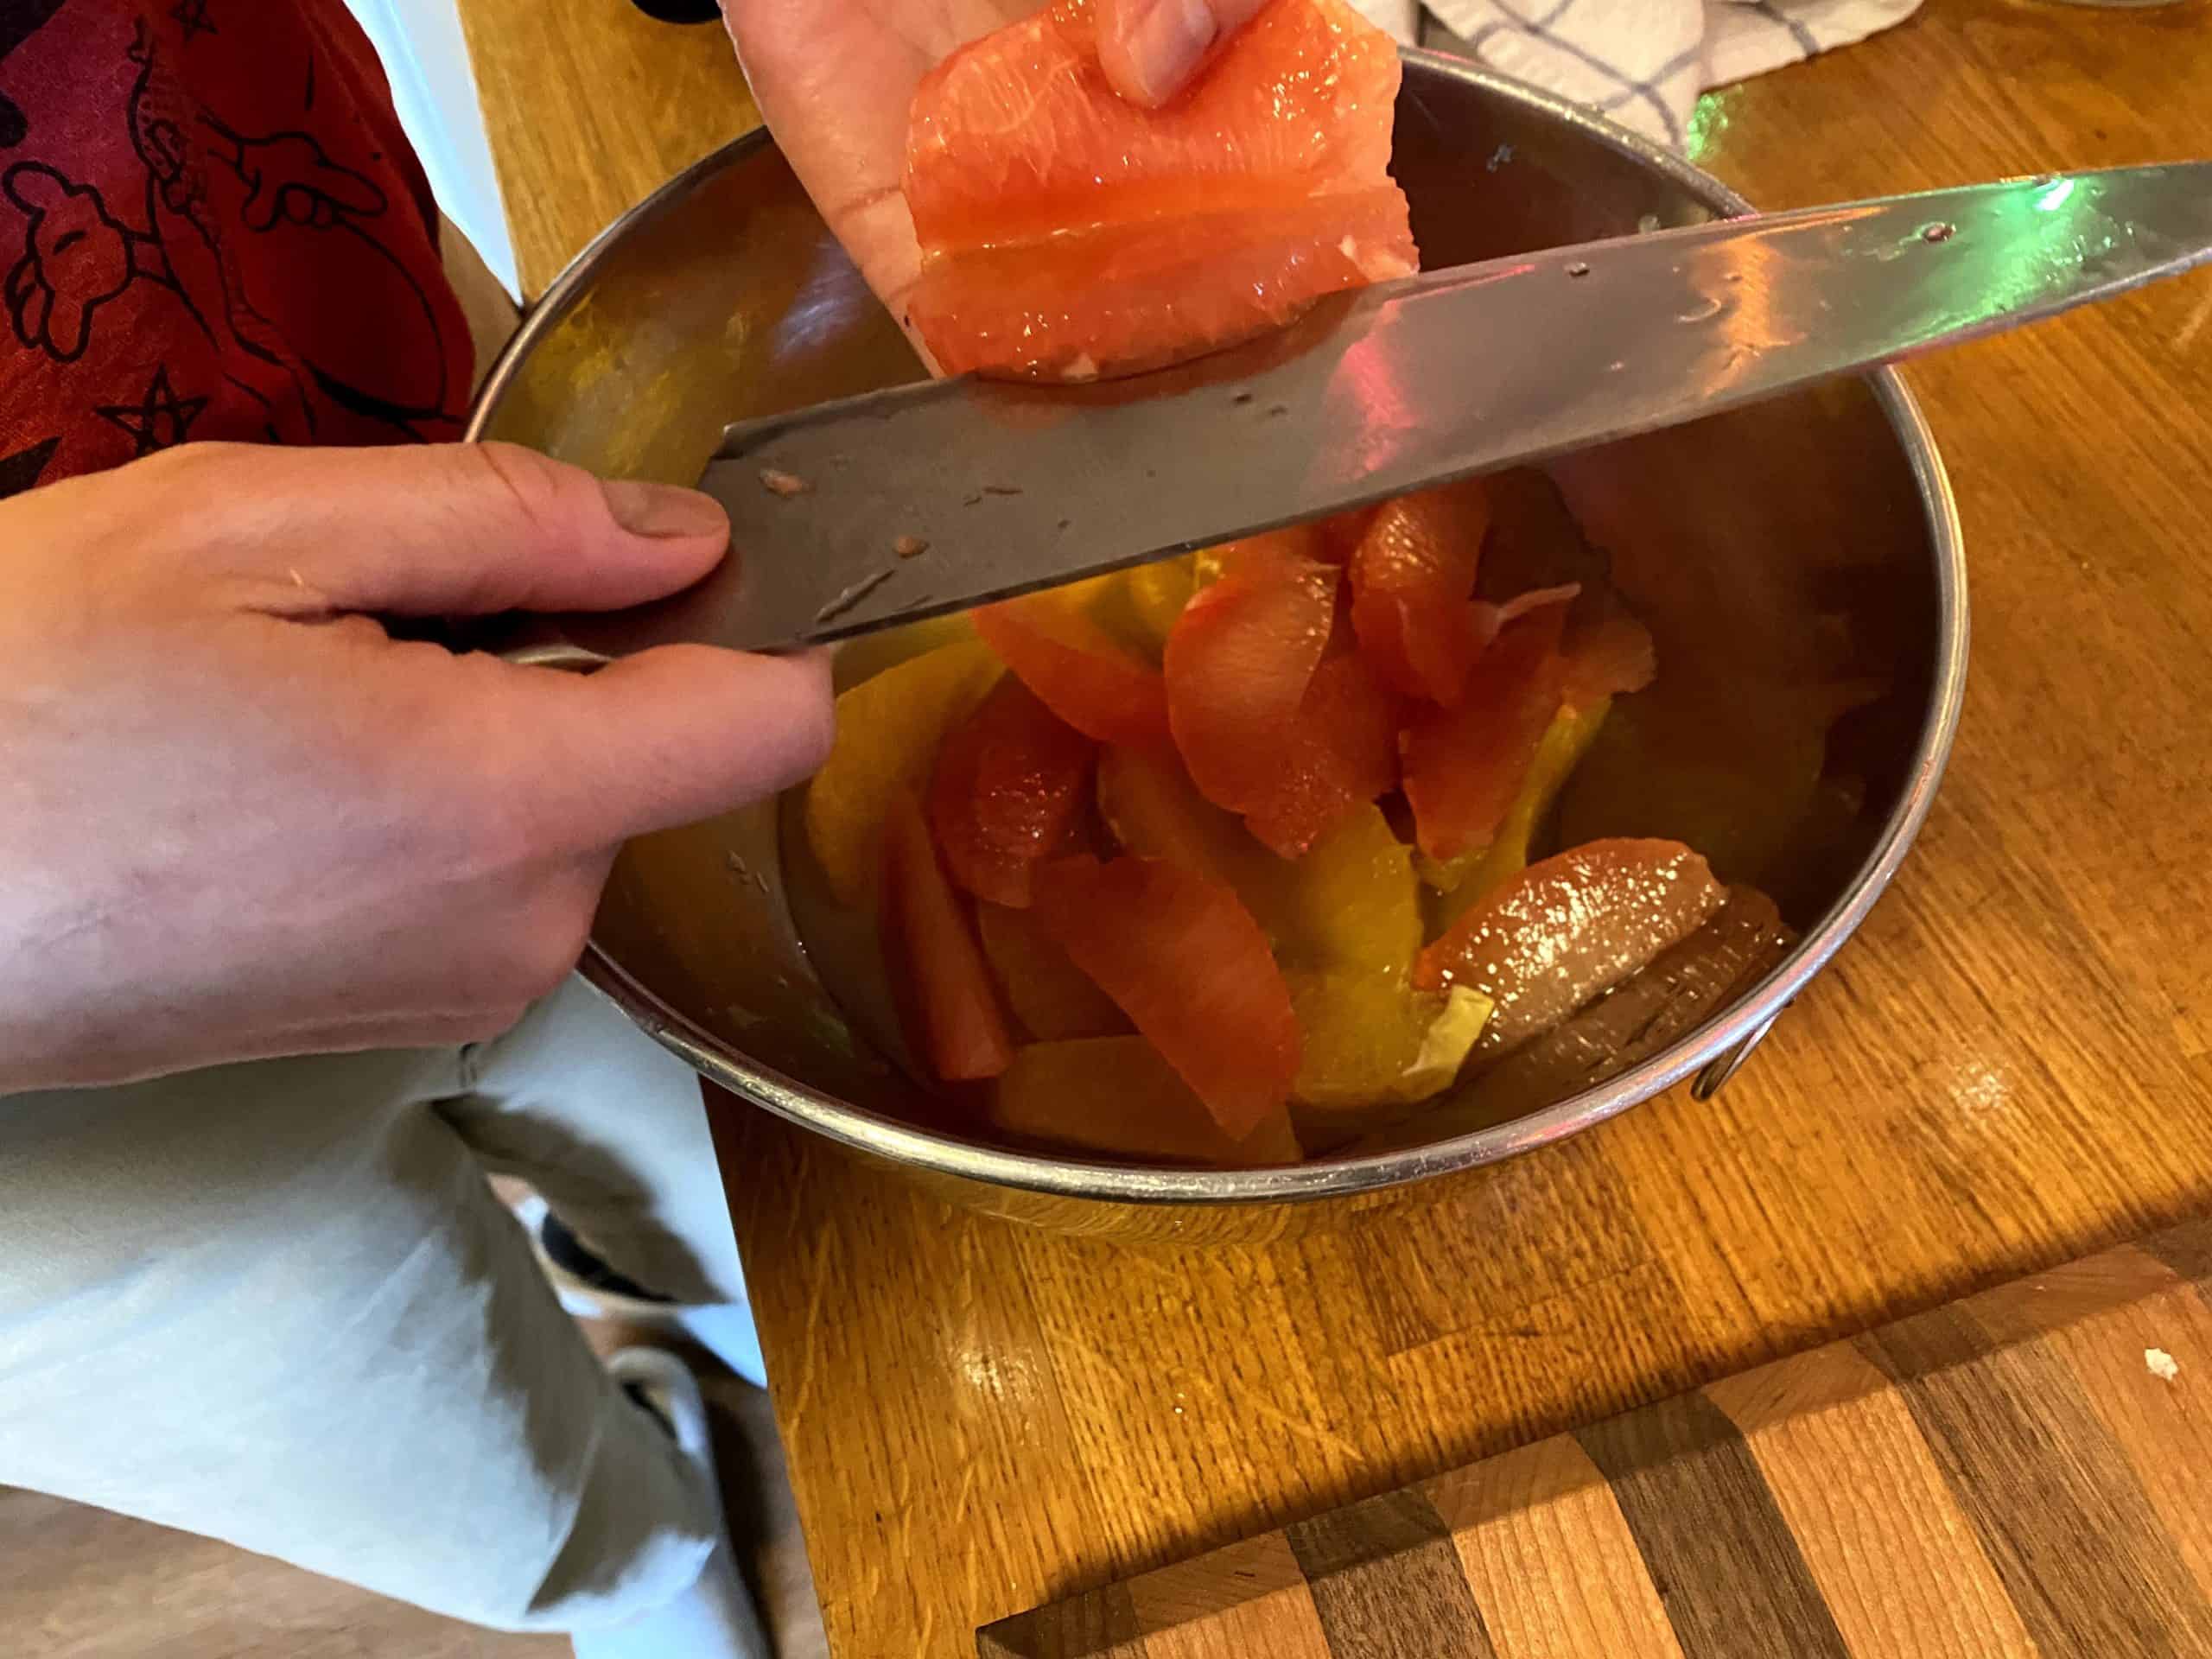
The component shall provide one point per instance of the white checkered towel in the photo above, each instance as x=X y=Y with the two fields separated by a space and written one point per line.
x=1641 y=62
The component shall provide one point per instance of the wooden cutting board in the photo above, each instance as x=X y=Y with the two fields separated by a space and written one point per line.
x=2027 y=1472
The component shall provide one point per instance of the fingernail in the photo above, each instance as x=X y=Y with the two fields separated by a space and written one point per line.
x=669 y=510
x=1167 y=44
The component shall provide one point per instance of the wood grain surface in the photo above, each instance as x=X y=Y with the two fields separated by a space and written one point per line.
x=1969 y=1482
x=588 y=105
x=2009 y=1067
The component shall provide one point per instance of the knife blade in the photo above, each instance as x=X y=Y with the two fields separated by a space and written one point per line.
x=905 y=504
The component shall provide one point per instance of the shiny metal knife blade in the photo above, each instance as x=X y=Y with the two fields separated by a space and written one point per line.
x=932 y=498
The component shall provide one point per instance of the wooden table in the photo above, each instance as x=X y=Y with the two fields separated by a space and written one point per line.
x=2009 y=1066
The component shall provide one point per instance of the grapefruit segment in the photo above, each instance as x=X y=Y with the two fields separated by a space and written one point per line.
x=1569 y=929
x=888 y=730
x=1564 y=742
x=1153 y=811
x=1374 y=1046
x=1066 y=233
x=1051 y=997
x=1189 y=967
x=1341 y=753
x=1238 y=665
x=1304 y=540
x=1352 y=904
x=1412 y=578
x=1342 y=533
x=943 y=991
x=1612 y=656
x=1076 y=669
x=1009 y=780
x=1464 y=766
x=1156 y=595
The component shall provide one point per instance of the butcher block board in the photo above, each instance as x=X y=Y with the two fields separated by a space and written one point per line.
x=2025 y=1474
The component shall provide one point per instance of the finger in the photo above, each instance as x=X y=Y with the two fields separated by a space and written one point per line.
x=447 y=530
x=1150 y=48
x=667 y=737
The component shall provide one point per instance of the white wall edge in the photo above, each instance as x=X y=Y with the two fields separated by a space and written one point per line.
x=425 y=56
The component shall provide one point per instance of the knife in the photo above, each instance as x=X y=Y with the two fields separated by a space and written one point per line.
x=905 y=504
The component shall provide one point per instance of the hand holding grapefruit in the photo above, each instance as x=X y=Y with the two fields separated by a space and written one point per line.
x=836 y=79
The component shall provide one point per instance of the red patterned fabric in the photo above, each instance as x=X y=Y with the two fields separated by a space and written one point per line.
x=211 y=227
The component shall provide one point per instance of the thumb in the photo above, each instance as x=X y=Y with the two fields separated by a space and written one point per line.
x=448 y=530
x=667 y=737
x=1151 y=48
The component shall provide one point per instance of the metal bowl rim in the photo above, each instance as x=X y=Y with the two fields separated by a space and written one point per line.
x=904 y=1144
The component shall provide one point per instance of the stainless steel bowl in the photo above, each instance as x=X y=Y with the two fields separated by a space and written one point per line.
x=1820 y=525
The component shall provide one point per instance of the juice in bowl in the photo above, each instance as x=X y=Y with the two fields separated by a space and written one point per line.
x=1795 y=569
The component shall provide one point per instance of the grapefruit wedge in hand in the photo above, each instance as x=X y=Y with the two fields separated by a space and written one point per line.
x=1067 y=234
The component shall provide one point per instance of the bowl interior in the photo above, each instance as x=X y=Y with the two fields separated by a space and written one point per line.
x=1782 y=555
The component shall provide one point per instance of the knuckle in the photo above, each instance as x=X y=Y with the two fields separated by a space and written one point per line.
x=196 y=509
x=803 y=746
x=806 y=723
x=541 y=492
x=185 y=463
x=816 y=731
x=202 y=479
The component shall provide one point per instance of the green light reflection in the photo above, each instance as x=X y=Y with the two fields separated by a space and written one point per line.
x=1708 y=120
x=2025 y=248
